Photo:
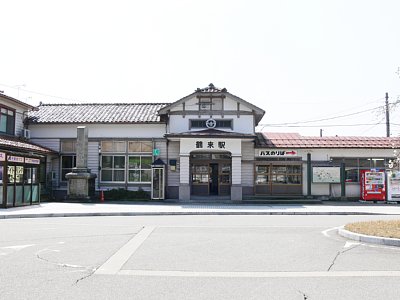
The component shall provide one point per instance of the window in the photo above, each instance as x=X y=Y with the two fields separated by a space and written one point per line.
x=67 y=163
x=278 y=174
x=7 y=120
x=113 y=168
x=68 y=146
x=354 y=165
x=200 y=174
x=113 y=146
x=136 y=146
x=202 y=124
x=139 y=169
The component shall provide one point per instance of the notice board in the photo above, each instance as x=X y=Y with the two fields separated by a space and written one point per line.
x=326 y=174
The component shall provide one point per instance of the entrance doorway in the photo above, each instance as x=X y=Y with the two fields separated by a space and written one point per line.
x=213 y=179
x=210 y=174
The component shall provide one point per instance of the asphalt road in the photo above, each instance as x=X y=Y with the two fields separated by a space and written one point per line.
x=193 y=257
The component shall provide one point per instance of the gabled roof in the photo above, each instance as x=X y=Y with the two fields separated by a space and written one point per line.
x=16 y=144
x=16 y=101
x=295 y=140
x=96 y=113
x=210 y=133
x=211 y=90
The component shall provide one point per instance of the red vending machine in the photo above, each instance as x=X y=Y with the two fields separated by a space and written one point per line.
x=373 y=186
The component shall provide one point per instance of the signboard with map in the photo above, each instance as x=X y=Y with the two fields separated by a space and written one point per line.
x=326 y=174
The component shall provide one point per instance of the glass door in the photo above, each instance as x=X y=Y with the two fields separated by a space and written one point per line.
x=157 y=183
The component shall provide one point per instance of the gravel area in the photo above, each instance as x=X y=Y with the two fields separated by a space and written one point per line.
x=389 y=229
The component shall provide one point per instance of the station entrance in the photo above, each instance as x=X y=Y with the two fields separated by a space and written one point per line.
x=210 y=174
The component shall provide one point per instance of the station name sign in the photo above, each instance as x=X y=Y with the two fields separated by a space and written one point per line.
x=275 y=153
x=210 y=144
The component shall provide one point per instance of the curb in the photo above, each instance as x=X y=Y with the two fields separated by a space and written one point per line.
x=119 y=214
x=369 y=238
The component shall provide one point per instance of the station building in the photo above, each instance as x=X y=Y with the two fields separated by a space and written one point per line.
x=203 y=146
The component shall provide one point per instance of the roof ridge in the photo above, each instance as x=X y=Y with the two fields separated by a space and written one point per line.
x=103 y=104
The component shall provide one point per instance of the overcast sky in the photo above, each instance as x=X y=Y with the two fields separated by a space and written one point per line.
x=298 y=60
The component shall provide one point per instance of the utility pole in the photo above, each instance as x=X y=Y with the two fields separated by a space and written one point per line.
x=387 y=115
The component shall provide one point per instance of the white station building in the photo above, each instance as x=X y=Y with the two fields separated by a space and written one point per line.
x=201 y=146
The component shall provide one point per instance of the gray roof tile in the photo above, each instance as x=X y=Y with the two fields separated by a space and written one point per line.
x=96 y=113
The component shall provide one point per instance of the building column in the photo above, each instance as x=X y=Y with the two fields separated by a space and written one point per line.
x=236 y=188
x=184 y=185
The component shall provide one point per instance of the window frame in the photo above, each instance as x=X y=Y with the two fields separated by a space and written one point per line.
x=112 y=169
x=10 y=125
x=140 y=169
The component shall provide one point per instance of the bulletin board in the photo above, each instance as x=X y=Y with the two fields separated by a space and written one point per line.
x=326 y=174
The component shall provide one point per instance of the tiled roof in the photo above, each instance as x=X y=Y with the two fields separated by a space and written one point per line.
x=211 y=89
x=295 y=140
x=96 y=113
x=209 y=133
x=16 y=144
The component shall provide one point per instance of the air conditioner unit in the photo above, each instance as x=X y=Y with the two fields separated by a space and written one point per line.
x=26 y=133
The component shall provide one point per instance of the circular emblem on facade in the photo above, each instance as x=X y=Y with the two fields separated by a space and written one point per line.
x=211 y=123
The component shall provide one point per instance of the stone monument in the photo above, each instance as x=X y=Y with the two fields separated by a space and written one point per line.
x=80 y=180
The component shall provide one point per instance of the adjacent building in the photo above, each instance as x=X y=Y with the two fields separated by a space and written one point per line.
x=22 y=163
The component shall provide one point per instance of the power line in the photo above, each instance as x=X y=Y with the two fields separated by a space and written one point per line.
x=329 y=125
x=325 y=119
x=38 y=93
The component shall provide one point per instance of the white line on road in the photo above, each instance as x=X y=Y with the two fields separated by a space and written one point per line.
x=115 y=262
x=259 y=274
x=18 y=247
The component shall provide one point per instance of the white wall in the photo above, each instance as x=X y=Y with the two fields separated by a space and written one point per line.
x=98 y=130
x=242 y=124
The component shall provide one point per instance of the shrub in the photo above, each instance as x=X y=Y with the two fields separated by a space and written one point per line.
x=123 y=194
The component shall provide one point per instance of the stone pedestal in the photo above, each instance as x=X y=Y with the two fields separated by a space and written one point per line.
x=80 y=183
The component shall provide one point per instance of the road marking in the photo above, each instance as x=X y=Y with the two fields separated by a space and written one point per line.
x=325 y=232
x=350 y=244
x=115 y=262
x=18 y=247
x=259 y=274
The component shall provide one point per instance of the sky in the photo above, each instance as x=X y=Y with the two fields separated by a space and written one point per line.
x=300 y=61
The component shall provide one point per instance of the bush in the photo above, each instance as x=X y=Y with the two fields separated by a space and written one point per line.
x=122 y=194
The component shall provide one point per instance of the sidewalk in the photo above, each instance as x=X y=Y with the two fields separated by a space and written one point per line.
x=61 y=209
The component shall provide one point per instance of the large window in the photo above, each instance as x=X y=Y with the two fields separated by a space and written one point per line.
x=278 y=174
x=113 y=168
x=126 y=161
x=7 y=120
x=354 y=165
x=139 y=168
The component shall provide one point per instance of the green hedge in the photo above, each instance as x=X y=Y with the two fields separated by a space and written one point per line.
x=122 y=194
